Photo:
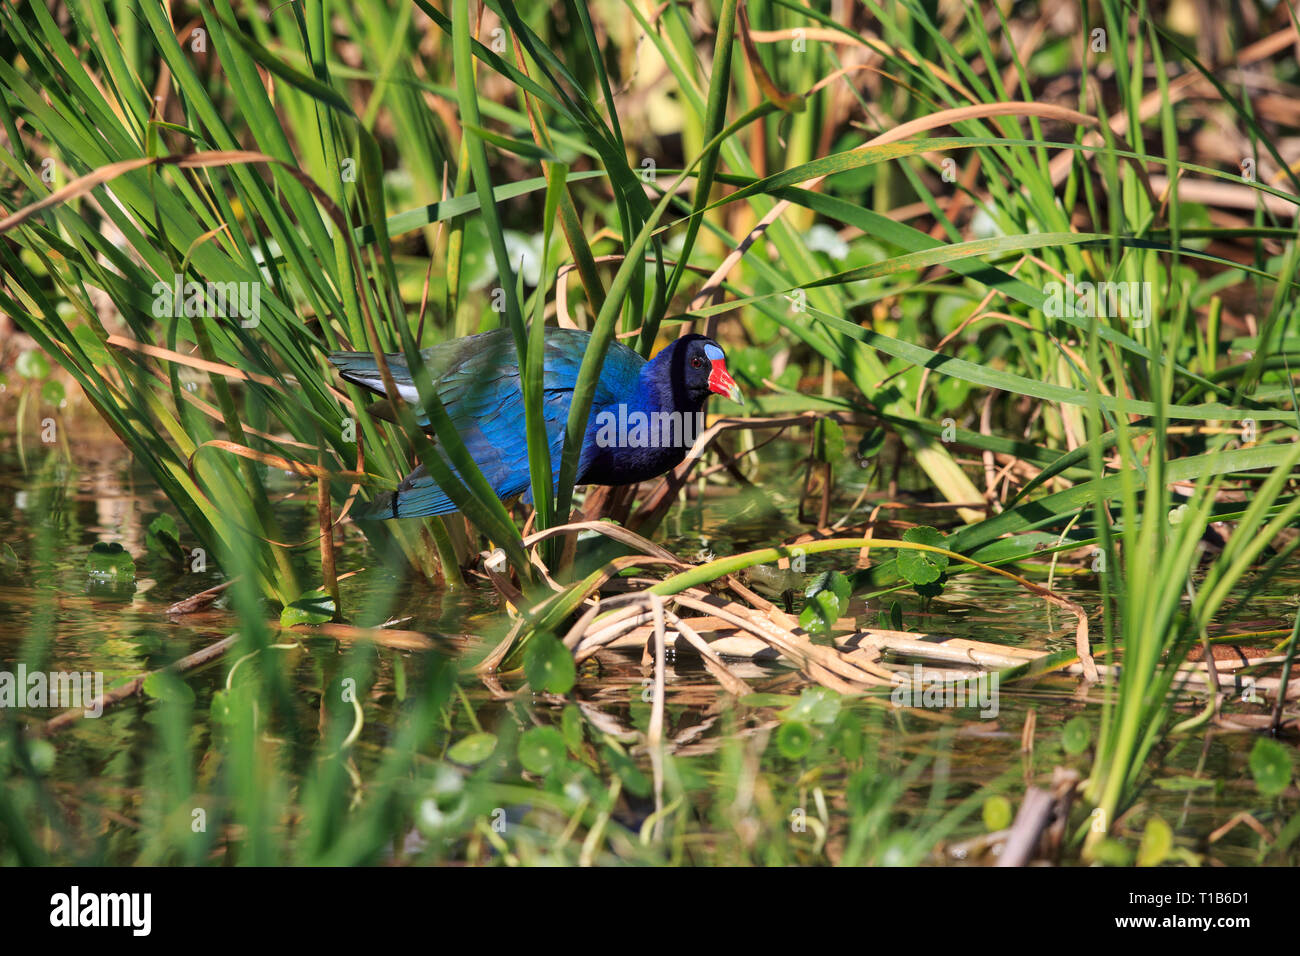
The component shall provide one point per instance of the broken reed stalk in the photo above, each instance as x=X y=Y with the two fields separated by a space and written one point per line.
x=714 y=569
x=827 y=665
x=325 y=515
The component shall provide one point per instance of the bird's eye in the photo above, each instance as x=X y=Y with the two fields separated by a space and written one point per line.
x=697 y=362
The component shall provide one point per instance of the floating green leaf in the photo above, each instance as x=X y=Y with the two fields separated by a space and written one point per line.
x=163 y=538
x=314 y=607
x=1111 y=852
x=827 y=598
x=997 y=813
x=541 y=749
x=1157 y=843
x=1075 y=735
x=53 y=392
x=922 y=567
x=1183 y=783
x=571 y=728
x=473 y=749
x=1270 y=765
x=166 y=686
x=43 y=755
x=794 y=739
x=108 y=560
x=816 y=705
x=548 y=664
x=32 y=364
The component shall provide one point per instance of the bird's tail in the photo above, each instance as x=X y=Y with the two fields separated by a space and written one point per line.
x=361 y=368
x=416 y=496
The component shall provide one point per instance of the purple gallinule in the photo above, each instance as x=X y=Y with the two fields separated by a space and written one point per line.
x=644 y=417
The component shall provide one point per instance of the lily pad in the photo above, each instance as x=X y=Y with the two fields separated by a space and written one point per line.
x=548 y=664
x=541 y=749
x=473 y=749
x=32 y=364
x=110 y=561
x=1075 y=736
x=314 y=607
x=816 y=705
x=53 y=393
x=794 y=739
x=163 y=538
x=827 y=598
x=997 y=813
x=1270 y=765
x=1157 y=843
x=922 y=567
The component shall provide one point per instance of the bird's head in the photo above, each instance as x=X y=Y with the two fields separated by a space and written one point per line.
x=694 y=366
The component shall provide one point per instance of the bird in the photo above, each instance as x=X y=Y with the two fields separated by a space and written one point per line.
x=644 y=417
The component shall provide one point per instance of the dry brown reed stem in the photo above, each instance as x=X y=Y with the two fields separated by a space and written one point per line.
x=486 y=667
x=1027 y=732
x=394 y=638
x=580 y=628
x=616 y=532
x=1031 y=820
x=998 y=657
x=515 y=597
x=825 y=665
x=862 y=38
x=1237 y=819
x=214 y=413
x=625 y=620
x=655 y=732
x=714 y=664
x=1039 y=827
x=325 y=521
x=846 y=673
x=611 y=619
x=197 y=602
x=190 y=361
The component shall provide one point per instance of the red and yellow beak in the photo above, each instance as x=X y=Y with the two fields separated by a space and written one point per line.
x=720 y=380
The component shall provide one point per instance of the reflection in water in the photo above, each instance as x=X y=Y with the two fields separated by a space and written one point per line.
x=53 y=616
